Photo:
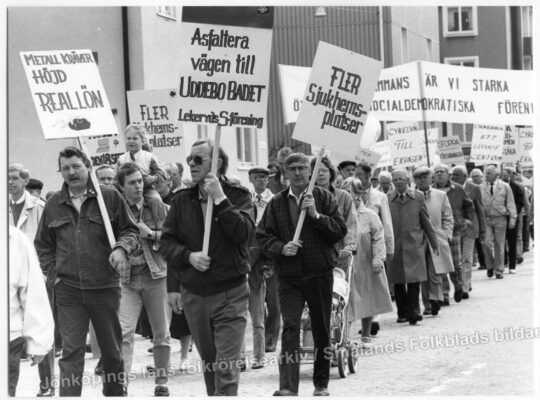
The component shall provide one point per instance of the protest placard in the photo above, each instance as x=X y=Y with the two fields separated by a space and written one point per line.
x=368 y=156
x=454 y=94
x=406 y=143
x=383 y=148
x=510 y=145
x=68 y=93
x=225 y=65
x=487 y=144
x=158 y=112
x=292 y=83
x=105 y=150
x=432 y=139
x=337 y=99
x=525 y=146
x=450 y=151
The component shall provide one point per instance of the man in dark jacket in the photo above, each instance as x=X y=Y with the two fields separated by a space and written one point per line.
x=304 y=269
x=462 y=210
x=84 y=272
x=510 y=254
x=213 y=286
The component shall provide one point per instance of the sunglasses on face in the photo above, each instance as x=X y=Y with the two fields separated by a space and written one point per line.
x=197 y=160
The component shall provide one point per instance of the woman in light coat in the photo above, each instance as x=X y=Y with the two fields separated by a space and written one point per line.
x=369 y=294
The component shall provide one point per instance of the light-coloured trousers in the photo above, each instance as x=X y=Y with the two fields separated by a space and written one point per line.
x=494 y=244
x=467 y=250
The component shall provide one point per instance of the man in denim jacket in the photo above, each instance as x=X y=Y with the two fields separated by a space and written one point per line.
x=83 y=270
x=145 y=280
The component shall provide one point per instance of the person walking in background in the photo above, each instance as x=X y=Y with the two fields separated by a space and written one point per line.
x=278 y=181
x=440 y=213
x=470 y=232
x=518 y=191
x=369 y=293
x=410 y=220
x=500 y=211
x=105 y=175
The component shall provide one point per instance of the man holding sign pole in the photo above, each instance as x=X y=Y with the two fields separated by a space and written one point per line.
x=84 y=272
x=304 y=269
x=213 y=286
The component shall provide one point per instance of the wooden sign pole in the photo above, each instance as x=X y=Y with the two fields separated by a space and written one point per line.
x=314 y=174
x=101 y=203
x=210 y=203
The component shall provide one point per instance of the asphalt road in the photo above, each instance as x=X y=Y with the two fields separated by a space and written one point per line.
x=482 y=346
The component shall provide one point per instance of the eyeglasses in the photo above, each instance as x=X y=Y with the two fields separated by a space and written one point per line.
x=197 y=160
x=300 y=168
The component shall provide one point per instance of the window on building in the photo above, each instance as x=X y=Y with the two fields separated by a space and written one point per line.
x=526 y=21
x=167 y=12
x=404 y=45
x=460 y=21
x=246 y=145
x=463 y=131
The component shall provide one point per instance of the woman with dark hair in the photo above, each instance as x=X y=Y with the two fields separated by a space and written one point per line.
x=369 y=294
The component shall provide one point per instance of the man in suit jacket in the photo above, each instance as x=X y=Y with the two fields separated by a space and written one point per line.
x=500 y=211
x=304 y=269
x=518 y=191
x=471 y=232
x=410 y=221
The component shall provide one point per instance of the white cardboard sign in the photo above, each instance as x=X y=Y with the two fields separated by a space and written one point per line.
x=292 y=83
x=450 y=151
x=487 y=144
x=383 y=148
x=68 y=93
x=406 y=144
x=337 y=99
x=526 y=136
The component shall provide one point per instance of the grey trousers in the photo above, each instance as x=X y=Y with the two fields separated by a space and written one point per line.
x=218 y=324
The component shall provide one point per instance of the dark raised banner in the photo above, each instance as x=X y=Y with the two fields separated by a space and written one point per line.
x=225 y=65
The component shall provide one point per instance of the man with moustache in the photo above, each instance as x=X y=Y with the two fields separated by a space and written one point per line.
x=213 y=286
x=86 y=286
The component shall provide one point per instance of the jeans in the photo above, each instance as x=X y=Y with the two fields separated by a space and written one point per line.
x=292 y=295
x=142 y=289
x=76 y=307
x=467 y=249
x=272 y=322
x=494 y=244
x=218 y=324
x=16 y=347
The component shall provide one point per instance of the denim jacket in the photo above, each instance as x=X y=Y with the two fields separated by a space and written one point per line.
x=153 y=214
x=74 y=247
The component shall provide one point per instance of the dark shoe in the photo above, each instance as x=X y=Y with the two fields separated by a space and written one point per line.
x=284 y=392
x=375 y=327
x=526 y=249
x=499 y=276
x=161 y=391
x=465 y=296
x=150 y=369
x=45 y=392
x=427 y=312
x=413 y=319
x=320 y=391
x=257 y=364
x=99 y=369
x=270 y=349
x=435 y=307
x=490 y=273
x=482 y=267
x=458 y=295
x=242 y=365
x=519 y=260
x=444 y=303
x=401 y=320
x=150 y=350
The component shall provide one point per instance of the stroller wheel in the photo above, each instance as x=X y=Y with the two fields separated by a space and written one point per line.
x=342 y=362
x=352 y=358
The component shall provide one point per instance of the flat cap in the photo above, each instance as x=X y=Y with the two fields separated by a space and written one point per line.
x=34 y=184
x=259 y=170
x=421 y=171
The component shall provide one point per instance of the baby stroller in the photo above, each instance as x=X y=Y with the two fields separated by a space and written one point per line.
x=344 y=352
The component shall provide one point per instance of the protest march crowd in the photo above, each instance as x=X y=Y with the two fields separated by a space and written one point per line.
x=403 y=235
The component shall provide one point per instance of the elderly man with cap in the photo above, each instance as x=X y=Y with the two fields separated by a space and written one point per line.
x=440 y=212
x=347 y=168
x=410 y=220
x=462 y=209
x=472 y=232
